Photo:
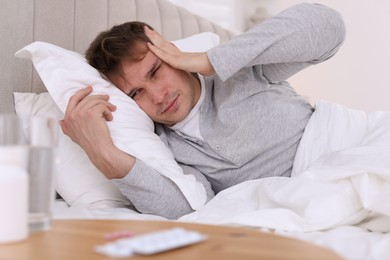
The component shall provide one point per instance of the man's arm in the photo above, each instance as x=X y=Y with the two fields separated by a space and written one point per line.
x=281 y=46
x=299 y=36
x=85 y=123
x=151 y=193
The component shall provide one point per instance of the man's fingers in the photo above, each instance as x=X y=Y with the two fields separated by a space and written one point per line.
x=155 y=37
x=83 y=106
x=160 y=53
x=96 y=107
x=160 y=42
x=108 y=115
x=76 y=98
x=107 y=111
x=81 y=99
x=101 y=109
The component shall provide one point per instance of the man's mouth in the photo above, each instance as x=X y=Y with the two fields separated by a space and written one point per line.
x=172 y=106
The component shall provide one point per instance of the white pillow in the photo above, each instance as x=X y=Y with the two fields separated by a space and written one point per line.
x=64 y=72
x=200 y=42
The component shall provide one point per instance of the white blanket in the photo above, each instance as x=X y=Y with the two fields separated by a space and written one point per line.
x=339 y=188
x=341 y=174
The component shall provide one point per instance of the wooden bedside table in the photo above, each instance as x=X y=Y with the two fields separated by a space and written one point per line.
x=75 y=239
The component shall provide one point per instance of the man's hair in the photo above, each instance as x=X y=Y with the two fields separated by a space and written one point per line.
x=121 y=41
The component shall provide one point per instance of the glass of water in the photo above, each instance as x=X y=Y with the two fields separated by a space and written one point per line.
x=31 y=142
x=41 y=134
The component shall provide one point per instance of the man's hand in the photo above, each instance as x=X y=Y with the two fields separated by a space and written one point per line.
x=85 y=122
x=169 y=53
x=85 y=118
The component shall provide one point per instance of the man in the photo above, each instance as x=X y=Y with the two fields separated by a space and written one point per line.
x=228 y=115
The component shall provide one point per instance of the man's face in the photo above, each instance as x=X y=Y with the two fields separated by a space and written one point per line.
x=166 y=94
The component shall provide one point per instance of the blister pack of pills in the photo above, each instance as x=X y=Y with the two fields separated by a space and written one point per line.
x=151 y=243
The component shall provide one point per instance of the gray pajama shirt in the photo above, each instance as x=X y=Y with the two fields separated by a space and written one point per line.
x=251 y=119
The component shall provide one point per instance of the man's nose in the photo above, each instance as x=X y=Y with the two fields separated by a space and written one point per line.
x=158 y=94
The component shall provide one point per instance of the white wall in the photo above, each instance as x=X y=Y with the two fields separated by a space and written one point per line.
x=207 y=8
x=359 y=74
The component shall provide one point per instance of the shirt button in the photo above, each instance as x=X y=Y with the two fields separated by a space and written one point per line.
x=217 y=147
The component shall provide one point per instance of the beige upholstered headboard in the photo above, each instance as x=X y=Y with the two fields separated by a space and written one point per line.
x=73 y=24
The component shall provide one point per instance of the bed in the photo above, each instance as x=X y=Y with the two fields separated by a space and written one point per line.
x=338 y=194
